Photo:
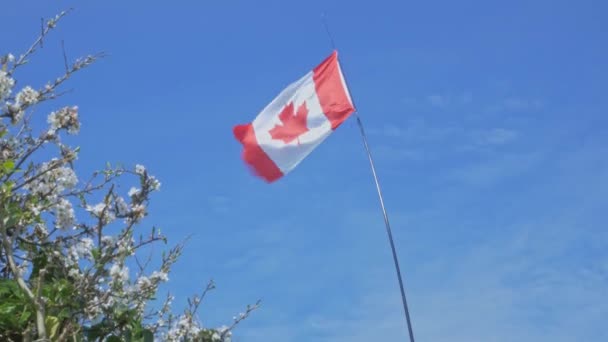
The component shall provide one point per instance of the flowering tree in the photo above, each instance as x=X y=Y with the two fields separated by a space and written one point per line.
x=67 y=245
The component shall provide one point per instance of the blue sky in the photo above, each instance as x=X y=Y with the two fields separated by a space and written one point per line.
x=487 y=121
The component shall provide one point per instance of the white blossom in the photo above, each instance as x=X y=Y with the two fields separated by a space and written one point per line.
x=119 y=273
x=140 y=169
x=10 y=58
x=109 y=302
x=41 y=229
x=66 y=177
x=154 y=183
x=183 y=328
x=160 y=275
x=74 y=272
x=17 y=116
x=133 y=192
x=83 y=248
x=35 y=208
x=65 y=118
x=27 y=96
x=222 y=331
x=64 y=214
x=6 y=85
x=125 y=245
x=52 y=181
x=122 y=208
x=22 y=269
x=97 y=209
x=101 y=210
x=143 y=282
x=107 y=240
x=80 y=250
x=93 y=309
x=138 y=212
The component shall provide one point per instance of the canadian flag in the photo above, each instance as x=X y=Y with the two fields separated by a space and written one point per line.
x=296 y=121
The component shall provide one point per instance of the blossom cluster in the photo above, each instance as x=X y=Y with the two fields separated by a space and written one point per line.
x=65 y=118
x=6 y=85
x=49 y=183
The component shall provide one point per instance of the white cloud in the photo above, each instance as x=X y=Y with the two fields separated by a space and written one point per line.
x=516 y=104
x=449 y=100
x=416 y=130
x=496 y=169
x=496 y=136
x=509 y=287
x=219 y=203
x=437 y=100
x=420 y=140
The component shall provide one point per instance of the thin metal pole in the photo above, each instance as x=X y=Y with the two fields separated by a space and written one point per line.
x=388 y=227
x=386 y=222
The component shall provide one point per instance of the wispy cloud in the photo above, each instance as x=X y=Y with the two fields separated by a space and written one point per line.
x=437 y=100
x=464 y=100
x=510 y=286
x=421 y=139
x=515 y=105
x=219 y=203
x=446 y=100
x=440 y=100
x=496 y=169
x=429 y=136
x=494 y=136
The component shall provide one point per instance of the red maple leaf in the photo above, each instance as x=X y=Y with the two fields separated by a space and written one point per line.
x=293 y=124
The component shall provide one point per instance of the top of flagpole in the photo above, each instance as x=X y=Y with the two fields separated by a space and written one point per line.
x=331 y=38
x=335 y=50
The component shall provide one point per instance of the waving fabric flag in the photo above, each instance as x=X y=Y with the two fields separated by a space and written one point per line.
x=296 y=121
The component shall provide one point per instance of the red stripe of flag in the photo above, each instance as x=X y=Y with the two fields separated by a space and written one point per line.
x=331 y=91
x=258 y=161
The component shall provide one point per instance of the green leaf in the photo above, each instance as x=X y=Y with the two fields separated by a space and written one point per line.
x=148 y=336
x=15 y=311
x=7 y=166
x=52 y=324
x=96 y=254
x=114 y=339
x=94 y=332
x=39 y=262
x=8 y=308
x=8 y=286
x=25 y=317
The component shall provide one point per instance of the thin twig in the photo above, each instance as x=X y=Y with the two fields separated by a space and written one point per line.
x=41 y=32
x=39 y=41
x=241 y=317
x=197 y=303
x=65 y=57
x=142 y=267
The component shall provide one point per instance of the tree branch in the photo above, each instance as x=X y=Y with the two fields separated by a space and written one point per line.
x=241 y=317
x=51 y=24
x=35 y=299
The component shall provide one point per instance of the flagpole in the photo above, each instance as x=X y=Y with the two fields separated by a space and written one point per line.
x=388 y=227
x=380 y=197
